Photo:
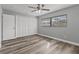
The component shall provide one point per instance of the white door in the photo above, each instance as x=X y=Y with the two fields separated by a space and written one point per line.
x=21 y=26
x=8 y=27
x=32 y=26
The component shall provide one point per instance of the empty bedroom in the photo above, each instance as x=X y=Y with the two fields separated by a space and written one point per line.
x=39 y=29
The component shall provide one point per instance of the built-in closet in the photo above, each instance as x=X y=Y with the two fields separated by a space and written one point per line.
x=18 y=26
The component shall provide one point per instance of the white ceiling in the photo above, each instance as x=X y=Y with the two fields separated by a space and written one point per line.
x=23 y=8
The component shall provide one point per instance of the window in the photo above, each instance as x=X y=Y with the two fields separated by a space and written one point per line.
x=59 y=21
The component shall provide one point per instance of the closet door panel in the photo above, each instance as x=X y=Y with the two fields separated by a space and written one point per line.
x=8 y=27
x=32 y=26
x=21 y=26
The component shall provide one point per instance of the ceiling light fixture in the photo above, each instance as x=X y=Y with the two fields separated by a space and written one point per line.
x=39 y=8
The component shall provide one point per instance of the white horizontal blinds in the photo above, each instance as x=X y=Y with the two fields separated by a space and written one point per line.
x=45 y=22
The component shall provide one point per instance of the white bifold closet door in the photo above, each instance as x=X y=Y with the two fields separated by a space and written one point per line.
x=22 y=26
x=25 y=26
x=8 y=27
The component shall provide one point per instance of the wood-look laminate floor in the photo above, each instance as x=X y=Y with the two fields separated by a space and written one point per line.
x=36 y=44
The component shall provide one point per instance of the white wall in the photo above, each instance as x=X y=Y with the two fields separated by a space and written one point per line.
x=69 y=33
x=0 y=24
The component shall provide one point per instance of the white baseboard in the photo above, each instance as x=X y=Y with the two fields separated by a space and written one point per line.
x=74 y=43
x=21 y=36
